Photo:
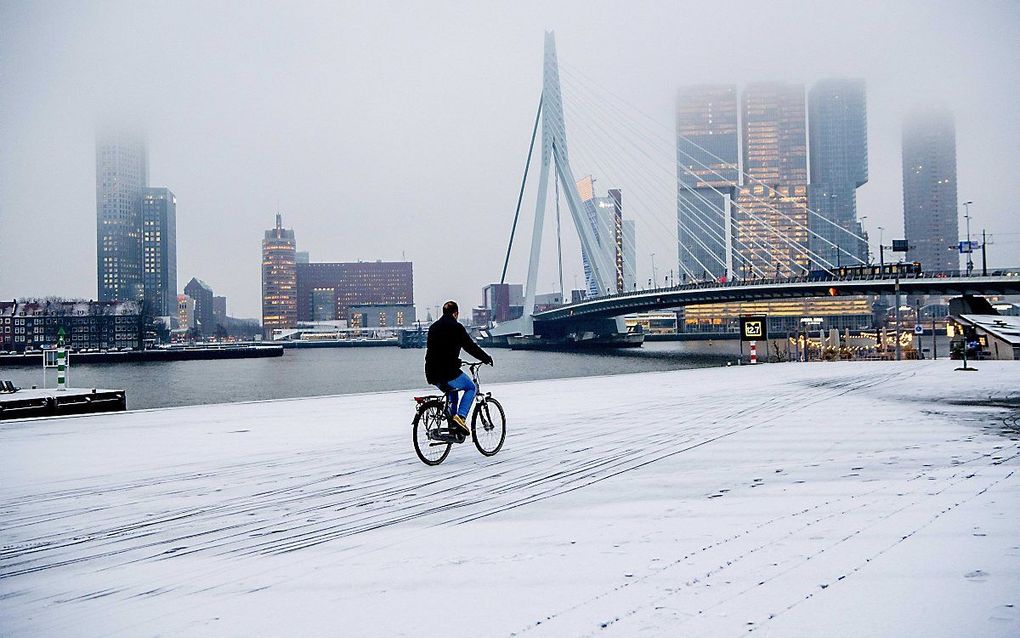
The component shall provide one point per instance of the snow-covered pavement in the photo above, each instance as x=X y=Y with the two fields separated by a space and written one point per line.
x=843 y=499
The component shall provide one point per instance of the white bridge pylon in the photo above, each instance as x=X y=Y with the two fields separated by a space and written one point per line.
x=555 y=155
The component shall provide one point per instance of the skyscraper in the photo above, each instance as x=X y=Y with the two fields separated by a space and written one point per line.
x=605 y=214
x=279 y=279
x=838 y=125
x=930 y=217
x=159 y=251
x=707 y=176
x=122 y=172
x=772 y=213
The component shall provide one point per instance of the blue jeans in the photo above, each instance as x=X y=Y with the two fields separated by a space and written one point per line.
x=461 y=383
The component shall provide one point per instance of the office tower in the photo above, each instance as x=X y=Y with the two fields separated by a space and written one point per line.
x=605 y=214
x=122 y=172
x=185 y=312
x=838 y=126
x=159 y=251
x=202 y=293
x=327 y=291
x=301 y=257
x=772 y=217
x=707 y=178
x=279 y=279
x=929 y=189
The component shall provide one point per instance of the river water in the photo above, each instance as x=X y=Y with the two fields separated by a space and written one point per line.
x=325 y=371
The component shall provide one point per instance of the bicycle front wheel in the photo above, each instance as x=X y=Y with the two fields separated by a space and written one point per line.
x=429 y=448
x=488 y=426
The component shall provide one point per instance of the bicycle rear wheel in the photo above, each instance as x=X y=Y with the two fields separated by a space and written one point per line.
x=427 y=445
x=488 y=426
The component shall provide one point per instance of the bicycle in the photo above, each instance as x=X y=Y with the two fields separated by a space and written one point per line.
x=434 y=432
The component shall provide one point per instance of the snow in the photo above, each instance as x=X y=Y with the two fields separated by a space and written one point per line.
x=865 y=499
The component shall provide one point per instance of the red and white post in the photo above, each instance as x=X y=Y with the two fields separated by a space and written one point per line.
x=754 y=352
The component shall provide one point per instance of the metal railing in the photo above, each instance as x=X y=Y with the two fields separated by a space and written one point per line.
x=811 y=278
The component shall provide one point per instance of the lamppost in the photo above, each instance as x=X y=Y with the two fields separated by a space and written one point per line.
x=970 y=252
x=860 y=226
x=881 y=249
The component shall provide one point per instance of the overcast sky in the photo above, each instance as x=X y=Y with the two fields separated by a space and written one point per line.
x=387 y=129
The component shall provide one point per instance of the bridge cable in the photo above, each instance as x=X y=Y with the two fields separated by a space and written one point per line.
x=796 y=245
x=520 y=196
x=761 y=199
x=714 y=206
x=635 y=194
x=701 y=219
x=603 y=91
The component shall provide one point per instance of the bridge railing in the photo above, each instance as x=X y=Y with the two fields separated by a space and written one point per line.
x=810 y=278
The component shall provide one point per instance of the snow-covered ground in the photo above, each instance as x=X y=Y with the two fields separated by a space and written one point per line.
x=843 y=499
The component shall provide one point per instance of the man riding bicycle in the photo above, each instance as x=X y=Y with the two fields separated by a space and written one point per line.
x=442 y=362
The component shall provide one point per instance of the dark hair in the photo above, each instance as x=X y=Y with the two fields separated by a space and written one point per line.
x=450 y=307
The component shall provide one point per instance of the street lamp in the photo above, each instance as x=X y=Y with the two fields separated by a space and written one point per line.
x=860 y=226
x=970 y=252
x=881 y=249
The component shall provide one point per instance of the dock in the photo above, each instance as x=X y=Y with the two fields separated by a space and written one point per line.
x=52 y=402
x=176 y=353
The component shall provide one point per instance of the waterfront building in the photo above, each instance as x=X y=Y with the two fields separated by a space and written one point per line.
x=327 y=291
x=279 y=279
x=655 y=323
x=480 y=316
x=381 y=316
x=504 y=301
x=159 y=251
x=202 y=293
x=101 y=325
x=219 y=306
x=838 y=126
x=772 y=218
x=930 y=218
x=842 y=313
x=707 y=177
x=185 y=312
x=122 y=173
x=548 y=301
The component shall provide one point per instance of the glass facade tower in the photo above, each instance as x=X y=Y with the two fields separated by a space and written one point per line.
x=159 y=251
x=707 y=177
x=772 y=218
x=122 y=172
x=930 y=217
x=838 y=126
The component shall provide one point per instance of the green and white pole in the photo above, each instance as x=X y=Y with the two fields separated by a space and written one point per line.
x=61 y=362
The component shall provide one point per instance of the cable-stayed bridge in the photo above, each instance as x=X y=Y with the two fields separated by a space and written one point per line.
x=767 y=244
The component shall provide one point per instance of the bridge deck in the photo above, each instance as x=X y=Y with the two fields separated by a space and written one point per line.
x=763 y=290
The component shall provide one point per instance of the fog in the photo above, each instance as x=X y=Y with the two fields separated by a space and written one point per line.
x=388 y=130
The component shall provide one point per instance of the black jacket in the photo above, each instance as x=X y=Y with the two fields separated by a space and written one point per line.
x=442 y=355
